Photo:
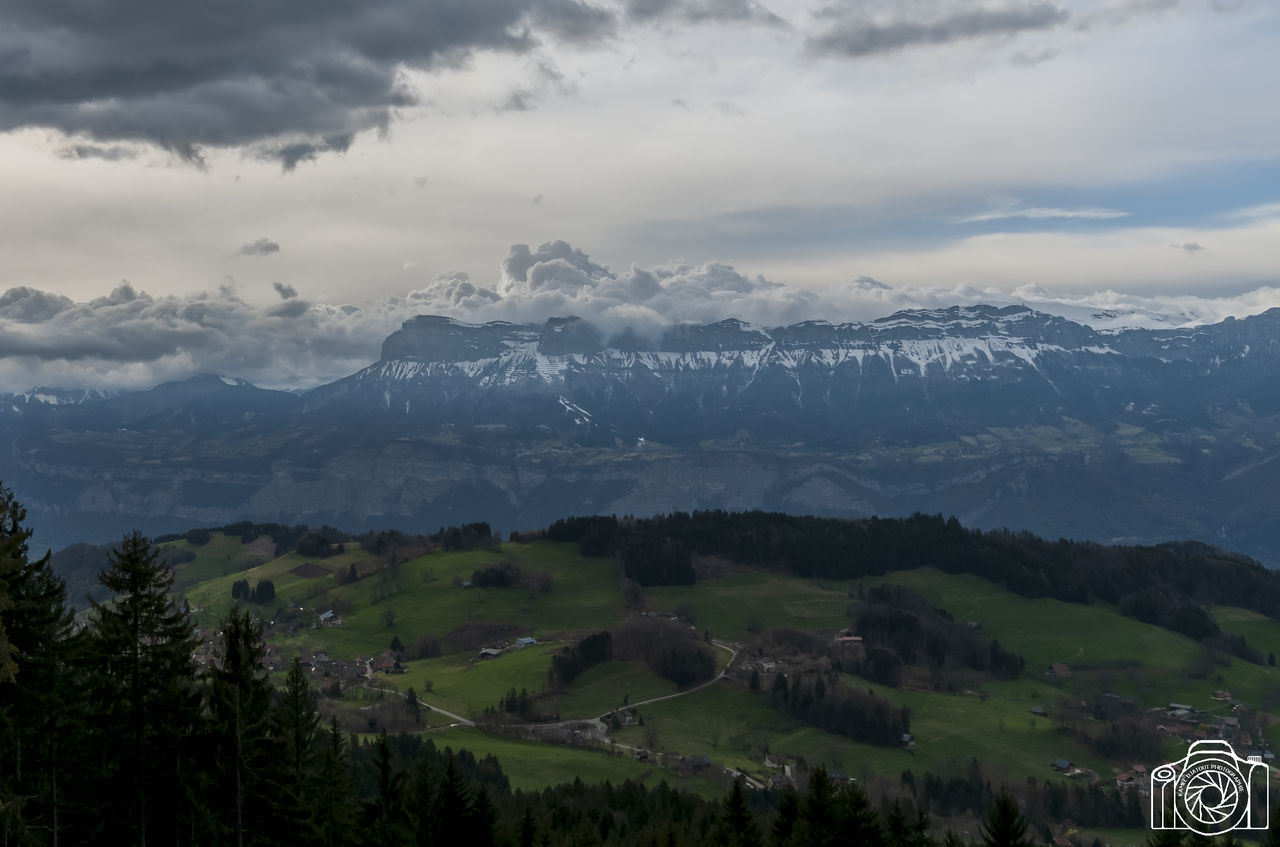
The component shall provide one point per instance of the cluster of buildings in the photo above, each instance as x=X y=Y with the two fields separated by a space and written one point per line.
x=1191 y=724
x=506 y=646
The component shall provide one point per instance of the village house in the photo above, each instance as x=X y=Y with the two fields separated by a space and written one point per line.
x=1057 y=670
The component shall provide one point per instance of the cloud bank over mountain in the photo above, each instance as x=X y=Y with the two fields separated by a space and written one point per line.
x=131 y=339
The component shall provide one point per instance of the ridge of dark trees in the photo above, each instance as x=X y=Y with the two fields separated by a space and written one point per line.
x=1168 y=585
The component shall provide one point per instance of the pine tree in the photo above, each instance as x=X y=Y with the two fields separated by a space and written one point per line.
x=385 y=822
x=411 y=705
x=483 y=818
x=453 y=805
x=248 y=762
x=818 y=826
x=295 y=724
x=40 y=708
x=528 y=828
x=1005 y=826
x=905 y=830
x=784 y=823
x=13 y=556
x=140 y=646
x=333 y=813
x=736 y=827
x=855 y=818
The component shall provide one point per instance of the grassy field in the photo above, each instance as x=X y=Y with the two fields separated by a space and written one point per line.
x=730 y=724
x=423 y=596
x=222 y=556
x=1109 y=651
x=468 y=686
x=731 y=606
x=532 y=766
x=608 y=686
x=1106 y=651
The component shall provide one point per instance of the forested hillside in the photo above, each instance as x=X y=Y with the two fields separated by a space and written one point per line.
x=799 y=679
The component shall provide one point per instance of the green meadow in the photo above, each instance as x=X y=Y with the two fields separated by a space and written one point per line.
x=993 y=722
x=751 y=600
x=532 y=766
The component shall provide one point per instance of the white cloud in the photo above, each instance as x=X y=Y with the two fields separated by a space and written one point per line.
x=131 y=339
x=1040 y=213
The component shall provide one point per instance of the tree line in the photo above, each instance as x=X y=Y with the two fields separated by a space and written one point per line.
x=1169 y=585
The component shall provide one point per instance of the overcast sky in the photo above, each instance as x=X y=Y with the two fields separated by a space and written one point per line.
x=243 y=188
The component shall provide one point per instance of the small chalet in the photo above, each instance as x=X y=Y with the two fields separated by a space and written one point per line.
x=1039 y=711
x=1061 y=765
x=525 y=641
x=490 y=653
x=846 y=636
x=1058 y=671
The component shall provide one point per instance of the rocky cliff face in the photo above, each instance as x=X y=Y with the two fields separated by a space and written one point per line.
x=1002 y=416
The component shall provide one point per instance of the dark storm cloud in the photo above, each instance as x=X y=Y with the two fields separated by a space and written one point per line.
x=261 y=247
x=114 y=153
x=291 y=81
x=131 y=339
x=1190 y=248
x=701 y=11
x=28 y=305
x=852 y=33
x=290 y=309
x=286 y=292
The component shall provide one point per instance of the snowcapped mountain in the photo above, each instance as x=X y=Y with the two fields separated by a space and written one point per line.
x=1003 y=416
x=930 y=369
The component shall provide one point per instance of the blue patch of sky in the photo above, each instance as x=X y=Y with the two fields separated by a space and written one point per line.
x=1204 y=197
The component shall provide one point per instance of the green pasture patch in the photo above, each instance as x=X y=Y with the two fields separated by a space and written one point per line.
x=605 y=687
x=531 y=765
x=746 y=600
x=468 y=686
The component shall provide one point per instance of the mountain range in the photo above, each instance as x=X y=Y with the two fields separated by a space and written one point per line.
x=1000 y=416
